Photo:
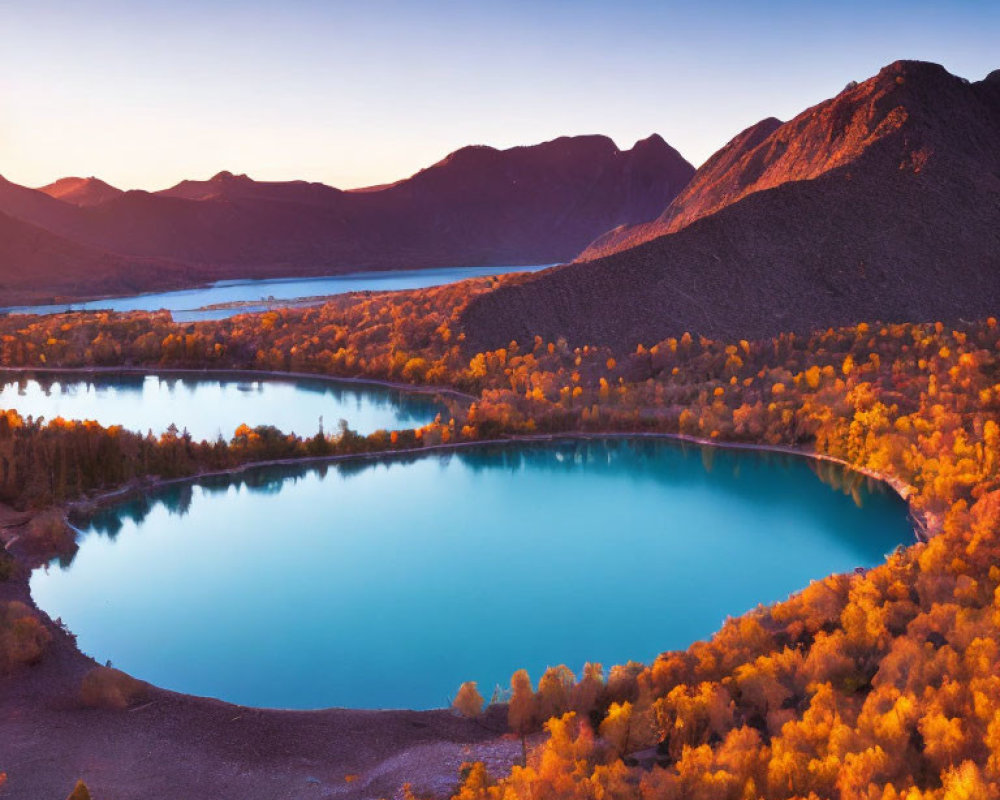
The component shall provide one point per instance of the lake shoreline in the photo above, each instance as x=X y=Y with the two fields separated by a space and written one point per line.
x=925 y=526
x=24 y=308
x=40 y=714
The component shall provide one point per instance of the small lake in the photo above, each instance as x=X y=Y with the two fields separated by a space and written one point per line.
x=190 y=305
x=210 y=407
x=386 y=584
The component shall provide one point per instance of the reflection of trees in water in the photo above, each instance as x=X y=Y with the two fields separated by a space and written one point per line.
x=405 y=409
x=408 y=407
x=171 y=383
x=265 y=484
x=65 y=560
x=411 y=408
x=137 y=509
x=759 y=479
x=177 y=498
x=675 y=461
x=348 y=469
x=50 y=383
x=856 y=485
x=110 y=520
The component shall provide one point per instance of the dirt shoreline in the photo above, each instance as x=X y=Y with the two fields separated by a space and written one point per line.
x=231 y=751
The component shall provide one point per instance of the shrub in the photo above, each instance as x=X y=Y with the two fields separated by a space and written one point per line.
x=106 y=687
x=48 y=535
x=468 y=702
x=23 y=637
x=80 y=792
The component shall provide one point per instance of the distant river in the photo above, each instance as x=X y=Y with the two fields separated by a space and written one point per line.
x=209 y=407
x=190 y=305
x=387 y=584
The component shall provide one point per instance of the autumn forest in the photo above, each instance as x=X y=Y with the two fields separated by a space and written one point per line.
x=876 y=685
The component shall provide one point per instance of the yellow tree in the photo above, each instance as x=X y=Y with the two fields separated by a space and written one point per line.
x=554 y=691
x=522 y=711
x=616 y=727
x=468 y=702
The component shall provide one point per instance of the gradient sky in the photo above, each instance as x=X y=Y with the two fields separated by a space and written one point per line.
x=144 y=93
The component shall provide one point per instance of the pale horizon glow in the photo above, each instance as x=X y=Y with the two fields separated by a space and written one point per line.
x=145 y=94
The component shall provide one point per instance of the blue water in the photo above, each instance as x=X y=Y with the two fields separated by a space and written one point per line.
x=189 y=305
x=213 y=407
x=387 y=584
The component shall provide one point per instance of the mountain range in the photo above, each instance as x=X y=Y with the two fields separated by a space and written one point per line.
x=882 y=203
x=479 y=206
x=81 y=191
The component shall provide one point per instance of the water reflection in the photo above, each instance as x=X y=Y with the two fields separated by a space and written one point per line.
x=210 y=407
x=190 y=305
x=748 y=476
x=388 y=583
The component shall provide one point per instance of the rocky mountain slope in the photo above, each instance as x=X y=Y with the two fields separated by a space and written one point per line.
x=479 y=206
x=81 y=191
x=39 y=266
x=882 y=203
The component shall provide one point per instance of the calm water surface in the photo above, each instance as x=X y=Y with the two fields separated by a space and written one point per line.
x=387 y=584
x=189 y=305
x=210 y=407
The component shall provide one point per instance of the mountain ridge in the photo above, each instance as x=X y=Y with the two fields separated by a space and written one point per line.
x=81 y=191
x=767 y=155
x=477 y=207
x=67 y=269
x=903 y=225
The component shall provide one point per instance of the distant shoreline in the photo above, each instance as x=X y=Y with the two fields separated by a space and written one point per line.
x=925 y=526
x=25 y=308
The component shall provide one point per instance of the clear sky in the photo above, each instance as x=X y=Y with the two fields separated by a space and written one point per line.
x=354 y=93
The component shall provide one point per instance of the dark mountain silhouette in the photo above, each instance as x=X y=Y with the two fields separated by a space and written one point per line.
x=31 y=257
x=81 y=191
x=226 y=186
x=36 y=207
x=880 y=204
x=717 y=183
x=478 y=206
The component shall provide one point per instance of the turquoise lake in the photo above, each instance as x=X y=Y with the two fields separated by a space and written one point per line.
x=190 y=305
x=210 y=407
x=386 y=584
